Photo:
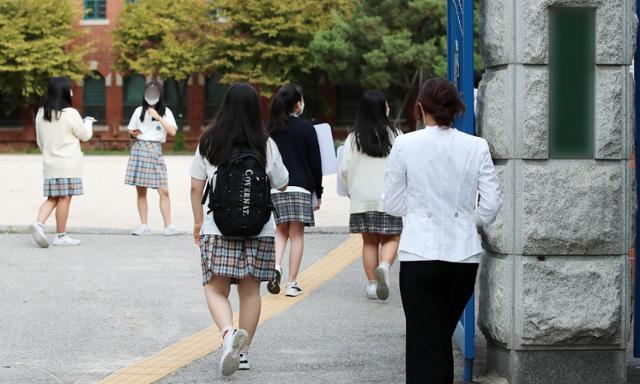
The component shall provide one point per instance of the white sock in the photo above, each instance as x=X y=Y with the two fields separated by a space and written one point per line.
x=373 y=281
x=279 y=268
x=385 y=264
x=61 y=234
x=228 y=330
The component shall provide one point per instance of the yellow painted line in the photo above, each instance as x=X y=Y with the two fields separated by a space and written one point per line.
x=200 y=344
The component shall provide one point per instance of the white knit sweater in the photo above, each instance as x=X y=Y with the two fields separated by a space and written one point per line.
x=364 y=177
x=59 y=141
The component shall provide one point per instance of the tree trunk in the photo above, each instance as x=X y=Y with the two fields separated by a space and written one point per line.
x=396 y=122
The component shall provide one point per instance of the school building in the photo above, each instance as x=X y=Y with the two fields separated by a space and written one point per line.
x=111 y=96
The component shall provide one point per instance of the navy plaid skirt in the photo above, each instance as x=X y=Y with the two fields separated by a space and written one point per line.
x=375 y=222
x=293 y=207
x=146 y=167
x=237 y=257
x=63 y=187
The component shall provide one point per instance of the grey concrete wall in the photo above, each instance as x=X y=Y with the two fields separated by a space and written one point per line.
x=555 y=284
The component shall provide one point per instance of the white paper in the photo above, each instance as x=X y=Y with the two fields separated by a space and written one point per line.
x=327 y=150
x=341 y=189
x=88 y=122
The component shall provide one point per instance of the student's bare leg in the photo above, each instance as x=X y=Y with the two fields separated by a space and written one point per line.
x=143 y=206
x=250 y=305
x=296 y=235
x=62 y=213
x=165 y=205
x=370 y=247
x=281 y=238
x=46 y=209
x=389 y=249
x=216 y=292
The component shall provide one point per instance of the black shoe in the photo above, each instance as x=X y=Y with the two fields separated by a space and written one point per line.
x=273 y=286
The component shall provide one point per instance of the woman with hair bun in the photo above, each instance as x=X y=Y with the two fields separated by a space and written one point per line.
x=433 y=179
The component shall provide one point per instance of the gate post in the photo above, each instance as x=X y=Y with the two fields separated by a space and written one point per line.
x=556 y=106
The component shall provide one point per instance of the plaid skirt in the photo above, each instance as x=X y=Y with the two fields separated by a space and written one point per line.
x=146 y=167
x=293 y=207
x=62 y=187
x=237 y=257
x=375 y=222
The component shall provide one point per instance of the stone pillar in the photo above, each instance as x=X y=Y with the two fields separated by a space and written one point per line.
x=555 y=280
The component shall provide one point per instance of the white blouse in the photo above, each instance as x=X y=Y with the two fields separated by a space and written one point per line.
x=433 y=179
x=151 y=129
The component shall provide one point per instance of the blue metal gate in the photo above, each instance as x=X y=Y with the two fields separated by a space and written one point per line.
x=460 y=62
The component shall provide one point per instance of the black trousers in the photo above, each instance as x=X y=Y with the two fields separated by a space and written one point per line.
x=434 y=294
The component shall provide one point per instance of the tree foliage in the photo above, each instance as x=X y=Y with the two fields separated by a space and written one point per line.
x=162 y=38
x=266 y=43
x=36 y=43
x=383 y=43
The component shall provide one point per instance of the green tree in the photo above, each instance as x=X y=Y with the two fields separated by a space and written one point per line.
x=37 y=42
x=164 y=38
x=384 y=44
x=266 y=43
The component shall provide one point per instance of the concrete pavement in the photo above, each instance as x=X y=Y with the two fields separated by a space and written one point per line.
x=76 y=315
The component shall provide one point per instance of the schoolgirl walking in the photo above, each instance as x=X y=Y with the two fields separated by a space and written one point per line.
x=232 y=173
x=298 y=144
x=149 y=125
x=59 y=130
x=362 y=170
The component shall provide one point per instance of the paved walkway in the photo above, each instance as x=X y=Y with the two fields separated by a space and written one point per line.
x=109 y=203
x=77 y=315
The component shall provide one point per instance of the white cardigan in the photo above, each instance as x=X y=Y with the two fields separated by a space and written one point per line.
x=433 y=179
x=363 y=176
x=59 y=141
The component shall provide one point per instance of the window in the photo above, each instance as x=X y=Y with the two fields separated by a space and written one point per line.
x=95 y=9
x=571 y=82
x=94 y=97
x=133 y=89
x=213 y=97
x=171 y=98
x=347 y=99
x=9 y=113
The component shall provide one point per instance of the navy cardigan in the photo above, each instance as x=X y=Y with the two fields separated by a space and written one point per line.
x=298 y=145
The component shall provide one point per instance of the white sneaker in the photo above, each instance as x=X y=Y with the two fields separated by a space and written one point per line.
x=382 y=275
x=244 y=362
x=65 y=240
x=171 y=230
x=143 y=230
x=37 y=232
x=293 y=289
x=372 y=287
x=233 y=343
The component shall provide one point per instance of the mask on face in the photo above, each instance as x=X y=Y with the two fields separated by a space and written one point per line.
x=301 y=109
x=71 y=93
x=388 y=111
x=152 y=96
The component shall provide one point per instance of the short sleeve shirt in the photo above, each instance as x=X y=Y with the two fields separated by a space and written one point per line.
x=278 y=175
x=151 y=129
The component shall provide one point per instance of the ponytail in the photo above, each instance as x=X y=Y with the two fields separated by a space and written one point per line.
x=282 y=105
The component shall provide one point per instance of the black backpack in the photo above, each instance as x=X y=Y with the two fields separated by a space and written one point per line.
x=241 y=198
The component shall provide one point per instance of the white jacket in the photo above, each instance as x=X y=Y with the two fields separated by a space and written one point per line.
x=433 y=179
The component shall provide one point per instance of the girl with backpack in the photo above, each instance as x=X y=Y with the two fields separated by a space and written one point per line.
x=298 y=144
x=59 y=130
x=362 y=170
x=238 y=164
x=149 y=125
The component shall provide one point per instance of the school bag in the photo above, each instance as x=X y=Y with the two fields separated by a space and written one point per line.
x=241 y=198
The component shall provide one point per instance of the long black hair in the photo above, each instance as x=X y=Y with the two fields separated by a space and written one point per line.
x=372 y=130
x=159 y=107
x=283 y=104
x=58 y=97
x=238 y=123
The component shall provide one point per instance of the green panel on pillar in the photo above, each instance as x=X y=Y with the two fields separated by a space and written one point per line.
x=571 y=75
